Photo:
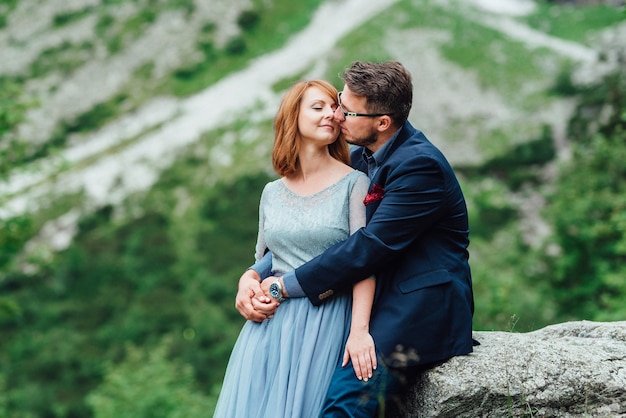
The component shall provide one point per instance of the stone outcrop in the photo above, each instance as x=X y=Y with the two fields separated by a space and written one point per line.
x=573 y=369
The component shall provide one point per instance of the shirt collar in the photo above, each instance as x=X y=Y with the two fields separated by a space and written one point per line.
x=374 y=159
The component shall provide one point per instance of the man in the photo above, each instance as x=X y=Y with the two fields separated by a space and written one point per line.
x=415 y=243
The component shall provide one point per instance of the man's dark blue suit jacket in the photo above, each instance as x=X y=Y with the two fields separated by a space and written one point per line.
x=415 y=243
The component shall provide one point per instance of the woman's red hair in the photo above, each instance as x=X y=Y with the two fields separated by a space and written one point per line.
x=287 y=135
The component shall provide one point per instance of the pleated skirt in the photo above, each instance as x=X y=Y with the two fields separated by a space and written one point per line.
x=281 y=367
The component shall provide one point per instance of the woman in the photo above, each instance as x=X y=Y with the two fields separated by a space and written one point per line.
x=281 y=367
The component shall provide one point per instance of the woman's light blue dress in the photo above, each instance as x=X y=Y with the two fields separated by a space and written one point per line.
x=282 y=367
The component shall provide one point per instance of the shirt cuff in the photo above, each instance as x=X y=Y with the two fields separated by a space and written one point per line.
x=263 y=267
x=292 y=286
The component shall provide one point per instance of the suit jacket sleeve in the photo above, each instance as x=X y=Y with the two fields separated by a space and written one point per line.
x=415 y=196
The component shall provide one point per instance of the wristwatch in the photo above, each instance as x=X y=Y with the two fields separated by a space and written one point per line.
x=276 y=290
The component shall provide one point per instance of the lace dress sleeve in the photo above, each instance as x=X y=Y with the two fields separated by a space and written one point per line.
x=261 y=245
x=357 y=208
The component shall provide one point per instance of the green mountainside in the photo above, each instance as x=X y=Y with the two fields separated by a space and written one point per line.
x=135 y=139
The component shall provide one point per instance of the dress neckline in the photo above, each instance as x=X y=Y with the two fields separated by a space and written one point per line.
x=319 y=191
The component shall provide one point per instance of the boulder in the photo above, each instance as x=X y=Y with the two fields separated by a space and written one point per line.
x=573 y=369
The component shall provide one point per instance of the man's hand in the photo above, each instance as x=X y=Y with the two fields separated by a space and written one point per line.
x=265 y=286
x=251 y=302
x=268 y=304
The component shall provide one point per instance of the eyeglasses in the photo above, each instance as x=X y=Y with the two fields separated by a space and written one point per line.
x=346 y=113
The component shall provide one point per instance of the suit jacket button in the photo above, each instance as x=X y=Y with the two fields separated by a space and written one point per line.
x=326 y=294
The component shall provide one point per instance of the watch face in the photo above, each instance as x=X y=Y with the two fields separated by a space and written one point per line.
x=274 y=291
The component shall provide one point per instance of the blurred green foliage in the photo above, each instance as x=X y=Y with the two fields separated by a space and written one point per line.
x=8 y=5
x=129 y=281
x=13 y=107
x=571 y=21
x=519 y=165
x=149 y=385
x=276 y=20
x=586 y=258
x=15 y=232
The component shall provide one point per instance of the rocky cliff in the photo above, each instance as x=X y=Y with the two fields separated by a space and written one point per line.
x=574 y=369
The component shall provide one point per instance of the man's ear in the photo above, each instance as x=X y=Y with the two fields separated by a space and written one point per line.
x=384 y=123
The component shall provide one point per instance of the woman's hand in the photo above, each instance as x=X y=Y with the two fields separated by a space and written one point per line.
x=250 y=301
x=361 y=349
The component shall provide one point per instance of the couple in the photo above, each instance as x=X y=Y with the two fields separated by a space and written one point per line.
x=369 y=263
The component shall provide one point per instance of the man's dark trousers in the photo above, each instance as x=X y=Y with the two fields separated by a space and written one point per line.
x=348 y=397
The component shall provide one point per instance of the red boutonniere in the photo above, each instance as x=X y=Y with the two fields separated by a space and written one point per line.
x=374 y=195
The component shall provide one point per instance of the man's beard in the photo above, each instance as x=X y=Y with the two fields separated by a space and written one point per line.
x=363 y=142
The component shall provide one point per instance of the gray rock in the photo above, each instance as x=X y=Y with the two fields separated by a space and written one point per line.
x=573 y=369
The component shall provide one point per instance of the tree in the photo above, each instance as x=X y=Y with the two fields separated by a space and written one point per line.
x=149 y=385
x=588 y=209
x=12 y=112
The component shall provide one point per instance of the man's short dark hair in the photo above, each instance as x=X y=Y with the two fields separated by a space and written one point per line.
x=387 y=87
